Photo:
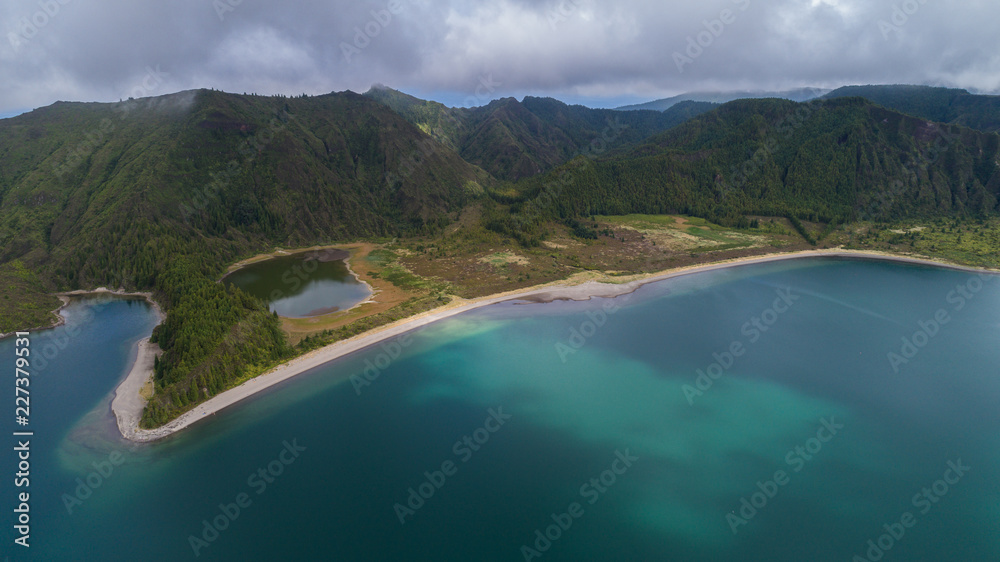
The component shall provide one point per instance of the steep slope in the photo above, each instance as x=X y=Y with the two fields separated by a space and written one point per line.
x=445 y=124
x=84 y=188
x=514 y=140
x=825 y=160
x=163 y=193
x=944 y=105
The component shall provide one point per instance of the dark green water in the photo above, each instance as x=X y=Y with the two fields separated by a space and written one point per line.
x=621 y=390
x=304 y=284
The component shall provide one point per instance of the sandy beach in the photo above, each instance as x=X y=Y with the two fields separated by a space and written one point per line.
x=129 y=402
x=127 y=405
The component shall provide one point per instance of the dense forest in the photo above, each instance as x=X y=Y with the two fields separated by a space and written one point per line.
x=513 y=139
x=164 y=193
x=827 y=161
x=214 y=337
x=943 y=105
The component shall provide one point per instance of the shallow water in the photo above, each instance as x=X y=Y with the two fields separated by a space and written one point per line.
x=585 y=385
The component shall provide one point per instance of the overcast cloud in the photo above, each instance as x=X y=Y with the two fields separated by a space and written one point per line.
x=602 y=53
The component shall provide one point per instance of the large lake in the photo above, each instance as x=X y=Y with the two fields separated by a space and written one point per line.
x=804 y=439
x=303 y=284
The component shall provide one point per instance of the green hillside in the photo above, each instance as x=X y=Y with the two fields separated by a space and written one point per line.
x=837 y=160
x=85 y=187
x=164 y=193
x=24 y=302
x=944 y=105
x=514 y=140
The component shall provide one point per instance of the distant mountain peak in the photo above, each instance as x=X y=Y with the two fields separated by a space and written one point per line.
x=798 y=94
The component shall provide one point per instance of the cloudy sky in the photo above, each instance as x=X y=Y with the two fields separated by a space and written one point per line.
x=597 y=52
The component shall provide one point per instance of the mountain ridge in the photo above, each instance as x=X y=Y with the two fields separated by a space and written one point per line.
x=798 y=94
x=827 y=161
x=514 y=139
x=943 y=105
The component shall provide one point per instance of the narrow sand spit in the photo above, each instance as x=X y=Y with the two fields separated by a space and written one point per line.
x=128 y=405
x=128 y=402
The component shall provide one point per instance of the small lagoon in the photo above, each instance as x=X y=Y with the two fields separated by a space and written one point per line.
x=304 y=284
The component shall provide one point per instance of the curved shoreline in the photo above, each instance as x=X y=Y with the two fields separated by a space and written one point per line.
x=66 y=297
x=148 y=297
x=59 y=321
x=127 y=404
x=125 y=409
x=281 y=253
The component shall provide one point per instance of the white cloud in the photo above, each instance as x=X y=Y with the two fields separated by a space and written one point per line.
x=98 y=49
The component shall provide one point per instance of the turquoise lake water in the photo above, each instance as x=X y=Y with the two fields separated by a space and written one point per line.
x=586 y=414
